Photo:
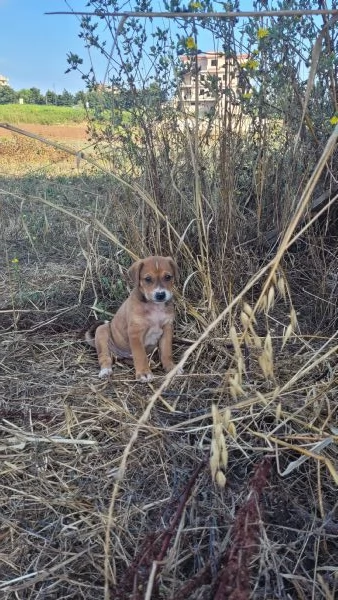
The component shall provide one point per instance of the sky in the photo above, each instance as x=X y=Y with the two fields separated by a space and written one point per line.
x=34 y=46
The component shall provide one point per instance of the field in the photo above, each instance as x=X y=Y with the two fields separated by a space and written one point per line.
x=41 y=114
x=26 y=151
x=26 y=155
x=216 y=484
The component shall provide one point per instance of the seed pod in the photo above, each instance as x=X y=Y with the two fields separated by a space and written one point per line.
x=257 y=340
x=271 y=298
x=240 y=369
x=263 y=303
x=263 y=363
x=221 y=443
x=215 y=413
x=235 y=342
x=281 y=287
x=293 y=319
x=276 y=392
x=224 y=457
x=218 y=432
x=220 y=479
x=214 y=451
x=238 y=390
x=232 y=431
x=278 y=412
x=268 y=346
x=249 y=311
x=245 y=319
x=214 y=460
x=226 y=417
x=287 y=334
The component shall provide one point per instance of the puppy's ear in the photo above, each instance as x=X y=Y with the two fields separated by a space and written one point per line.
x=134 y=272
x=174 y=267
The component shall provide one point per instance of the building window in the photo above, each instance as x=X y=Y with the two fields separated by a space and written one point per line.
x=214 y=62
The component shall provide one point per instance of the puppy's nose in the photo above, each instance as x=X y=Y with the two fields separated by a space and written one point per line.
x=160 y=296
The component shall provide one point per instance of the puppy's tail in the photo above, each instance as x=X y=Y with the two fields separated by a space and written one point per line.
x=90 y=334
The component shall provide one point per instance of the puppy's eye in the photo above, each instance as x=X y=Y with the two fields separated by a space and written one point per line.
x=167 y=277
x=148 y=279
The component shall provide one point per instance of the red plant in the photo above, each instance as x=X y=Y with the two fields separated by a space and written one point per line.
x=233 y=582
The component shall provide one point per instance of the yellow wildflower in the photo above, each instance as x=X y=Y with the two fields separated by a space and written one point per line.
x=251 y=64
x=334 y=120
x=15 y=260
x=190 y=43
x=262 y=33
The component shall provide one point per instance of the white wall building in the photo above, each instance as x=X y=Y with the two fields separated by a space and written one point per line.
x=218 y=79
x=4 y=80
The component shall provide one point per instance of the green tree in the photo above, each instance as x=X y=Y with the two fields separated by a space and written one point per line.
x=80 y=98
x=7 y=95
x=31 y=96
x=66 y=98
x=35 y=96
x=51 y=97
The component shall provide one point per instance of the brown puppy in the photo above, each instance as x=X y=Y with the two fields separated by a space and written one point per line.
x=144 y=321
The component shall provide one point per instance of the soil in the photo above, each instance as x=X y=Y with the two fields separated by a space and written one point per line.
x=21 y=155
x=55 y=132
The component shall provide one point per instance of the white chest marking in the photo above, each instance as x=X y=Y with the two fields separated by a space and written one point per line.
x=156 y=319
x=152 y=336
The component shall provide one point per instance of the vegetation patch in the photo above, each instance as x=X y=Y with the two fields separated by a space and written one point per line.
x=44 y=115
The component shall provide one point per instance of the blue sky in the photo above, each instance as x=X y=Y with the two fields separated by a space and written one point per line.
x=34 y=46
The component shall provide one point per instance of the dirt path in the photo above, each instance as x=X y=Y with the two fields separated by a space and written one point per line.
x=55 y=132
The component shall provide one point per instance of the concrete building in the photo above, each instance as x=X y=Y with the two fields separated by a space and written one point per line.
x=218 y=79
x=4 y=80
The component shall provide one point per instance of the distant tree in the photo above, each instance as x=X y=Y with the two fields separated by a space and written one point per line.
x=66 y=98
x=124 y=100
x=153 y=95
x=50 y=97
x=7 y=95
x=32 y=96
x=96 y=100
x=36 y=96
x=25 y=95
x=80 y=98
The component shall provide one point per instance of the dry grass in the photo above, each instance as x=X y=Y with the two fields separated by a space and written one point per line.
x=220 y=483
x=63 y=435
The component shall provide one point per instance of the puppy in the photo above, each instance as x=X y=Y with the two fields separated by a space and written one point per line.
x=144 y=321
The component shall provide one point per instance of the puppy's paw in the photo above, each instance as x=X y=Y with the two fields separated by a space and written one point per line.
x=168 y=368
x=105 y=372
x=144 y=377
